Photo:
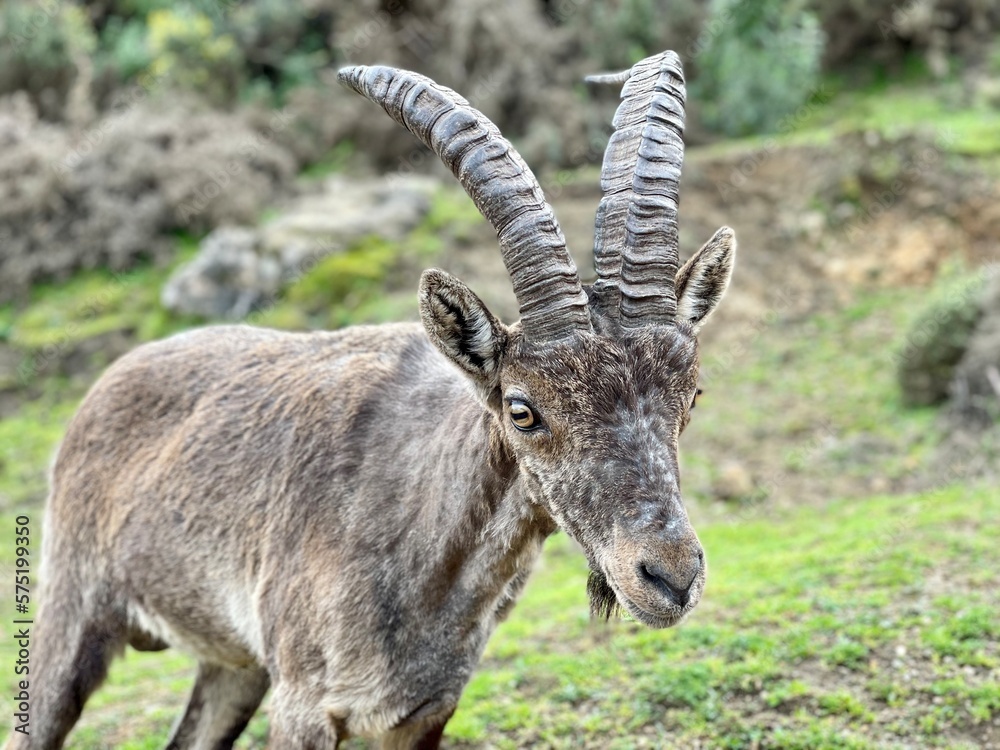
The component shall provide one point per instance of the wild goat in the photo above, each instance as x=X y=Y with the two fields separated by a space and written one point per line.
x=344 y=517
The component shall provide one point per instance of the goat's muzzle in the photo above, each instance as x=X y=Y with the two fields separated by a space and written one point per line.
x=657 y=571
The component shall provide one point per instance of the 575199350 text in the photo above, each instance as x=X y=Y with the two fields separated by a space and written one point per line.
x=22 y=625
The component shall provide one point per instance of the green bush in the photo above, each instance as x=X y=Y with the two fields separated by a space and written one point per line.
x=937 y=340
x=124 y=47
x=617 y=34
x=188 y=49
x=758 y=62
x=221 y=48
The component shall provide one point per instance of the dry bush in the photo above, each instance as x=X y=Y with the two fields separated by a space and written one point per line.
x=114 y=192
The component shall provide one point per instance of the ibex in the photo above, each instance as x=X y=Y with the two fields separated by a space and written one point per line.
x=343 y=517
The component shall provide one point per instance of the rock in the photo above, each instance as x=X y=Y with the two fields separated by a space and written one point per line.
x=118 y=191
x=228 y=279
x=238 y=269
x=346 y=211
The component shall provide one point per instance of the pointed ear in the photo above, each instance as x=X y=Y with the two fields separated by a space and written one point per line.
x=461 y=327
x=704 y=278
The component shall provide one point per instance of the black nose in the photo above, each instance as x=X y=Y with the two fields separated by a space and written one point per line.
x=669 y=584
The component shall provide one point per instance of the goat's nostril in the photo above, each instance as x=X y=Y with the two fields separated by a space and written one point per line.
x=666 y=584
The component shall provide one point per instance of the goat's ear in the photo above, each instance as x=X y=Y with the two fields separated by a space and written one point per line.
x=461 y=327
x=702 y=281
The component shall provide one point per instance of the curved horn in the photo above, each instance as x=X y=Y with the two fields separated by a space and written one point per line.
x=552 y=302
x=635 y=231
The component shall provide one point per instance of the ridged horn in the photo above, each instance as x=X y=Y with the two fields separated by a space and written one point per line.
x=635 y=232
x=552 y=302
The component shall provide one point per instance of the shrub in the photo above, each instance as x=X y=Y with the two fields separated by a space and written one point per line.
x=757 y=63
x=937 y=340
x=188 y=50
x=40 y=45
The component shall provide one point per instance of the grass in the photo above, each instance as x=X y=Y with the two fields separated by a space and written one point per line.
x=817 y=400
x=27 y=442
x=797 y=643
x=957 y=123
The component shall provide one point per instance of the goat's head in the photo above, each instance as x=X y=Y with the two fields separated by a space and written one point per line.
x=595 y=384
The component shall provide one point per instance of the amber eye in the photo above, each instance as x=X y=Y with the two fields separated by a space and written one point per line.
x=694 y=401
x=522 y=416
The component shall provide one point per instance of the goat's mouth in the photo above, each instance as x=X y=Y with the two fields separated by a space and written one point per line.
x=656 y=621
x=607 y=600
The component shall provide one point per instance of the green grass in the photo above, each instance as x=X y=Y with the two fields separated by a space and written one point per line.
x=815 y=399
x=941 y=111
x=967 y=128
x=92 y=303
x=769 y=635
x=796 y=642
x=332 y=162
x=27 y=443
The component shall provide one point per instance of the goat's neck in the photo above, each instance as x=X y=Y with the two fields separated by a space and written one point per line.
x=487 y=533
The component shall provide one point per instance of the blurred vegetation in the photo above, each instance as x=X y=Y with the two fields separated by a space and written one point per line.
x=69 y=331
x=751 y=63
x=937 y=339
x=41 y=47
x=222 y=49
x=184 y=46
x=757 y=64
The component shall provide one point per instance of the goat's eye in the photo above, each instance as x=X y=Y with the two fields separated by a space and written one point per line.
x=522 y=416
x=694 y=400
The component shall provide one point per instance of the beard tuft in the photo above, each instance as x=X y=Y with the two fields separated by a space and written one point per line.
x=603 y=602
